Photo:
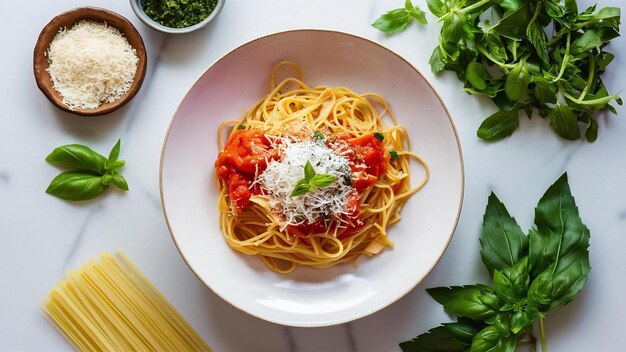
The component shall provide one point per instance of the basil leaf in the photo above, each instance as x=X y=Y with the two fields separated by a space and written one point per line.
x=72 y=185
x=475 y=74
x=502 y=241
x=322 y=180
x=241 y=127
x=309 y=172
x=393 y=21
x=490 y=340
x=452 y=30
x=437 y=7
x=302 y=187
x=558 y=286
x=379 y=136
x=537 y=37
x=318 y=135
x=437 y=339
x=473 y=303
x=593 y=39
x=106 y=179
x=444 y=295
x=514 y=24
x=511 y=5
x=418 y=14
x=560 y=232
x=116 y=165
x=394 y=155
x=436 y=61
x=464 y=329
x=520 y=320
x=115 y=152
x=517 y=82
x=119 y=181
x=545 y=92
x=564 y=122
x=79 y=157
x=511 y=284
x=499 y=125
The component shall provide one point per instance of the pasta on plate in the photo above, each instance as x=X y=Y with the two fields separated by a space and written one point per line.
x=312 y=176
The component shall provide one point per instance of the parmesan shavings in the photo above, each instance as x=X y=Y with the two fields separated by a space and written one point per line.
x=91 y=63
x=280 y=177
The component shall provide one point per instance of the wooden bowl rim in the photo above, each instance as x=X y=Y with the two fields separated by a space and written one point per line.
x=68 y=19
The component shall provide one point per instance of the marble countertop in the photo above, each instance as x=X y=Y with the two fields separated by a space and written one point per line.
x=41 y=236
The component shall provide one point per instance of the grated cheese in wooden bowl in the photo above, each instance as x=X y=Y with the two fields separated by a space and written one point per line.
x=90 y=64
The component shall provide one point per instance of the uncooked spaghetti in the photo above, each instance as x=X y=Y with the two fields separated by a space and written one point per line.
x=110 y=306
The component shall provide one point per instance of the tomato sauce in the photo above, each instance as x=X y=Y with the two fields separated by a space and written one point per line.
x=245 y=154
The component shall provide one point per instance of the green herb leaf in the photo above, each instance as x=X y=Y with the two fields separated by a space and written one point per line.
x=559 y=254
x=499 y=125
x=475 y=74
x=464 y=329
x=490 y=340
x=78 y=157
x=119 y=181
x=301 y=188
x=473 y=303
x=309 y=171
x=106 y=179
x=379 y=136
x=444 y=295
x=322 y=180
x=438 y=339
x=593 y=39
x=115 y=152
x=394 y=155
x=502 y=241
x=545 y=92
x=517 y=82
x=437 y=63
x=437 y=7
x=393 y=21
x=241 y=127
x=72 y=185
x=116 y=165
x=564 y=122
x=318 y=135
x=511 y=284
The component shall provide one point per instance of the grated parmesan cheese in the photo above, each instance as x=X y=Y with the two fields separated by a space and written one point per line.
x=91 y=63
x=280 y=177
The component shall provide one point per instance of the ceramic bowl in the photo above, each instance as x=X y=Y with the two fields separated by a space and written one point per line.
x=66 y=20
x=138 y=9
x=309 y=296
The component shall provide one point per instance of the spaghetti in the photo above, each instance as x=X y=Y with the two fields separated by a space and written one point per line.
x=289 y=139
x=110 y=306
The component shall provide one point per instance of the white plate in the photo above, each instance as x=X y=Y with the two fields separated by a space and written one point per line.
x=307 y=296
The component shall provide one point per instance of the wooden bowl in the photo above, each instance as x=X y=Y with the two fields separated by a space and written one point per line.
x=67 y=20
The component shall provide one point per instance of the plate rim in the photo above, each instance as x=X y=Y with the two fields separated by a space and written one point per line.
x=327 y=322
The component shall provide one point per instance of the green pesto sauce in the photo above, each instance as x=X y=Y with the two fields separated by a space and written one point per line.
x=178 y=13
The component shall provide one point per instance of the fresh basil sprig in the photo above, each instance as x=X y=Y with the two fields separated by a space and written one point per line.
x=533 y=56
x=91 y=172
x=311 y=181
x=531 y=274
x=398 y=20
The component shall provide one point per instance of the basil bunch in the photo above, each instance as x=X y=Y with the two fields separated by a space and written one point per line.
x=91 y=172
x=528 y=55
x=531 y=274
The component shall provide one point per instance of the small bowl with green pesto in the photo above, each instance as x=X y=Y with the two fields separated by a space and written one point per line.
x=176 y=16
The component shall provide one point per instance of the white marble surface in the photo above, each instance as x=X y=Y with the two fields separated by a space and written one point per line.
x=42 y=236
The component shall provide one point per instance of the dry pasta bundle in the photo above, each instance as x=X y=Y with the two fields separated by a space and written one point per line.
x=111 y=306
